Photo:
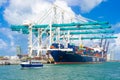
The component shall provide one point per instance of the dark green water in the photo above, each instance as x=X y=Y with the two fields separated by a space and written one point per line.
x=104 y=71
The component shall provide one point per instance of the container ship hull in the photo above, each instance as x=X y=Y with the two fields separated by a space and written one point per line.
x=63 y=57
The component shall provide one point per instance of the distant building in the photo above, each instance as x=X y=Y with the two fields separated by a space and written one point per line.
x=14 y=57
x=18 y=49
x=112 y=56
x=108 y=57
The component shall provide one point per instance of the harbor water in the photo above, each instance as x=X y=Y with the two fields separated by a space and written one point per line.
x=102 y=71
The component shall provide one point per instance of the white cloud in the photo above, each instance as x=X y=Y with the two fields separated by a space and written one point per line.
x=85 y=5
x=117 y=41
x=117 y=25
x=3 y=44
x=115 y=47
x=9 y=34
x=2 y=2
x=9 y=40
x=17 y=12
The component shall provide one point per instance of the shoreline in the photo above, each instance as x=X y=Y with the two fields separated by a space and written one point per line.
x=17 y=62
x=9 y=62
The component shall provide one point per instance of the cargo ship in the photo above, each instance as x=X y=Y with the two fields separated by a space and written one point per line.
x=80 y=54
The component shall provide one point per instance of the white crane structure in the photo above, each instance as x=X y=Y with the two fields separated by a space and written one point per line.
x=59 y=26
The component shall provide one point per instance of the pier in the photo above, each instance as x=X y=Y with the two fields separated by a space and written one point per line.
x=9 y=62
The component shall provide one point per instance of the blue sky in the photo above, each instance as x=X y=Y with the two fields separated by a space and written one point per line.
x=14 y=11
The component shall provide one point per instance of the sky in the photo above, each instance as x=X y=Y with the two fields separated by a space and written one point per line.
x=17 y=11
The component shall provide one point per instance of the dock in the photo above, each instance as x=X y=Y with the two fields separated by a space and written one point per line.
x=9 y=62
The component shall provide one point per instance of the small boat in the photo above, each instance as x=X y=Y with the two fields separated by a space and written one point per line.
x=31 y=64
